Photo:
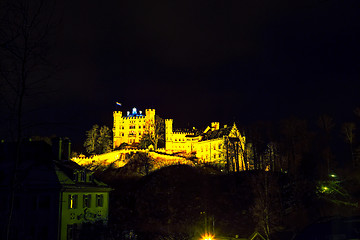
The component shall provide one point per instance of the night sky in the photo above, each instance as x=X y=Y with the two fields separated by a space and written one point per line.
x=203 y=61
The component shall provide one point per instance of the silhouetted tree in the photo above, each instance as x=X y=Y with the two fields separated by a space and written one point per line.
x=348 y=129
x=295 y=141
x=26 y=28
x=326 y=124
x=155 y=133
x=266 y=210
x=98 y=140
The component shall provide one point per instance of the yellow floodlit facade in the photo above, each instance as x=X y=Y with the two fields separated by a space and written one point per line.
x=212 y=145
x=131 y=127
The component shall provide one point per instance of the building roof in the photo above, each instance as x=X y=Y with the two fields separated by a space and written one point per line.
x=214 y=134
x=37 y=169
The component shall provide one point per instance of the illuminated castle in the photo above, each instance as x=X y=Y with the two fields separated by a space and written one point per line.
x=216 y=145
x=130 y=128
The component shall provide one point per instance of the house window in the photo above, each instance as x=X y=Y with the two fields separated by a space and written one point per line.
x=83 y=176
x=91 y=178
x=87 y=200
x=71 y=231
x=99 y=200
x=73 y=201
x=76 y=176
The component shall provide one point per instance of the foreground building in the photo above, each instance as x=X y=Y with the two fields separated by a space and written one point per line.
x=53 y=198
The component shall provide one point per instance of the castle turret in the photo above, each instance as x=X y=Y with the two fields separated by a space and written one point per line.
x=168 y=133
x=116 y=128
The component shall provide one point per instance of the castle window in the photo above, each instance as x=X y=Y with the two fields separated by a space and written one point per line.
x=73 y=201
x=87 y=200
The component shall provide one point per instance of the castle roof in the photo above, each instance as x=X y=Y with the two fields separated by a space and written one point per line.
x=216 y=133
x=134 y=113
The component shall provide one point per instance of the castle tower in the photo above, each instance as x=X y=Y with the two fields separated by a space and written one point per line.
x=150 y=120
x=168 y=133
x=131 y=127
x=116 y=128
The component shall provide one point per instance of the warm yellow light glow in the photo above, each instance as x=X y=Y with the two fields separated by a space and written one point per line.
x=207 y=236
x=324 y=189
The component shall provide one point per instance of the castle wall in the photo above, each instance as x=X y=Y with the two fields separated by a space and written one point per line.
x=213 y=150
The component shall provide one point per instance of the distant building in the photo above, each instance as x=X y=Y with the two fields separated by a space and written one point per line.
x=131 y=127
x=53 y=198
x=214 y=145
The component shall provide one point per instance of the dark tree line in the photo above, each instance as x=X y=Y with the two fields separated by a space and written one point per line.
x=298 y=146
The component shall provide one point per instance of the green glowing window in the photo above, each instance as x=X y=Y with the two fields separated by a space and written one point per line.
x=87 y=200
x=99 y=200
x=73 y=201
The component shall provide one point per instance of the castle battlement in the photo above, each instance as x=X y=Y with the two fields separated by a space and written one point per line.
x=133 y=117
x=181 y=133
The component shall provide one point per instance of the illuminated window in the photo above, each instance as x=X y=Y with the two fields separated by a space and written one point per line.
x=73 y=201
x=87 y=200
x=99 y=200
